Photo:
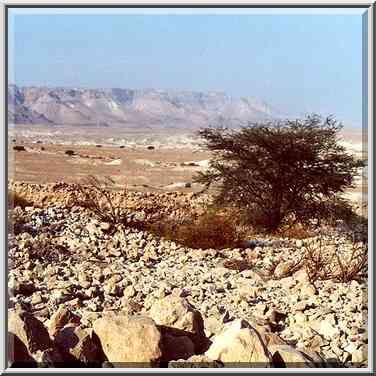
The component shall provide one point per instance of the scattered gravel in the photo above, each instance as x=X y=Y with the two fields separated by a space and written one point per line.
x=95 y=268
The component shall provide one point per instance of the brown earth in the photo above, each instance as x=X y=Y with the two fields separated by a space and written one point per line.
x=165 y=168
x=138 y=169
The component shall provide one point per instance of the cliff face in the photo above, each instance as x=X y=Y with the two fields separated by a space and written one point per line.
x=132 y=108
x=19 y=111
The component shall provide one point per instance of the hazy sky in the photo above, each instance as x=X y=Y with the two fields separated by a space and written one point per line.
x=297 y=63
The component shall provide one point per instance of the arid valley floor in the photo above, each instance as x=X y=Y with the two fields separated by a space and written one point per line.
x=83 y=291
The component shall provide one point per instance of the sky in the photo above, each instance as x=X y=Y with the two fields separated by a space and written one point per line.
x=298 y=62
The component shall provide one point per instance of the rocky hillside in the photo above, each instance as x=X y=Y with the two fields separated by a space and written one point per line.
x=85 y=292
x=152 y=109
x=19 y=112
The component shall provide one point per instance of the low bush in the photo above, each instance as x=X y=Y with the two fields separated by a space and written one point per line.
x=211 y=230
x=19 y=148
x=239 y=265
x=297 y=231
x=108 y=204
x=270 y=272
x=95 y=194
x=331 y=262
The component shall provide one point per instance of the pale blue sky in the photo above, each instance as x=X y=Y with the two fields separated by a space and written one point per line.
x=298 y=63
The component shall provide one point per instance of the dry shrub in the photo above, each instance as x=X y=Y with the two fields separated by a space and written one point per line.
x=95 y=194
x=19 y=148
x=353 y=267
x=296 y=231
x=250 y=216
x=115 y=206
x=269 y=272
x=239 y=265
x=16 y=199
x=332 y=263
x=211 y=230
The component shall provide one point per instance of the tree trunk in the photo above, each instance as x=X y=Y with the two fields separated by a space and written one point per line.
x=274 y=221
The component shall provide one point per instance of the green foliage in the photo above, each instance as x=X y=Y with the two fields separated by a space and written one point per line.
x=278 y=171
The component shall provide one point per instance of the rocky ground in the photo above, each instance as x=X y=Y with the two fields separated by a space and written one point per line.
x=85 y=292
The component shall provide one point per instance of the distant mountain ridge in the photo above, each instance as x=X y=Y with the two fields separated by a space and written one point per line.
x=149 y=108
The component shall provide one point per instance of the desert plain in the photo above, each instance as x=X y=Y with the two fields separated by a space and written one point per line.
x=86 y=292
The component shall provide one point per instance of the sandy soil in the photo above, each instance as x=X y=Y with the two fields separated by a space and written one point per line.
x=141 y=160
x=137 y=168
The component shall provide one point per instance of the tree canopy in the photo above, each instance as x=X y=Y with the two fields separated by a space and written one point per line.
x=279 y=170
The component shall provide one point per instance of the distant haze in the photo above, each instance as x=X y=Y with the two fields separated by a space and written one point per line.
x=130 y=109
x=294 y=63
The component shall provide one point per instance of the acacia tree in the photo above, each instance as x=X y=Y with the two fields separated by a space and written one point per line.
x=274 y=171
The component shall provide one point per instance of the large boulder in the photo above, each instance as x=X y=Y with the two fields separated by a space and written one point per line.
x=326 y=327
x=360 y=355
x=213 y=326
x=176 y=312
x=129 y=339
x=53 y=358
x=19 y=356
x=239 y=344
x=174 y=348
x=273 y=339
x=286 y=356
x=60 y=318
x=195 y=361
x=29 y=330
x=80 y=345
